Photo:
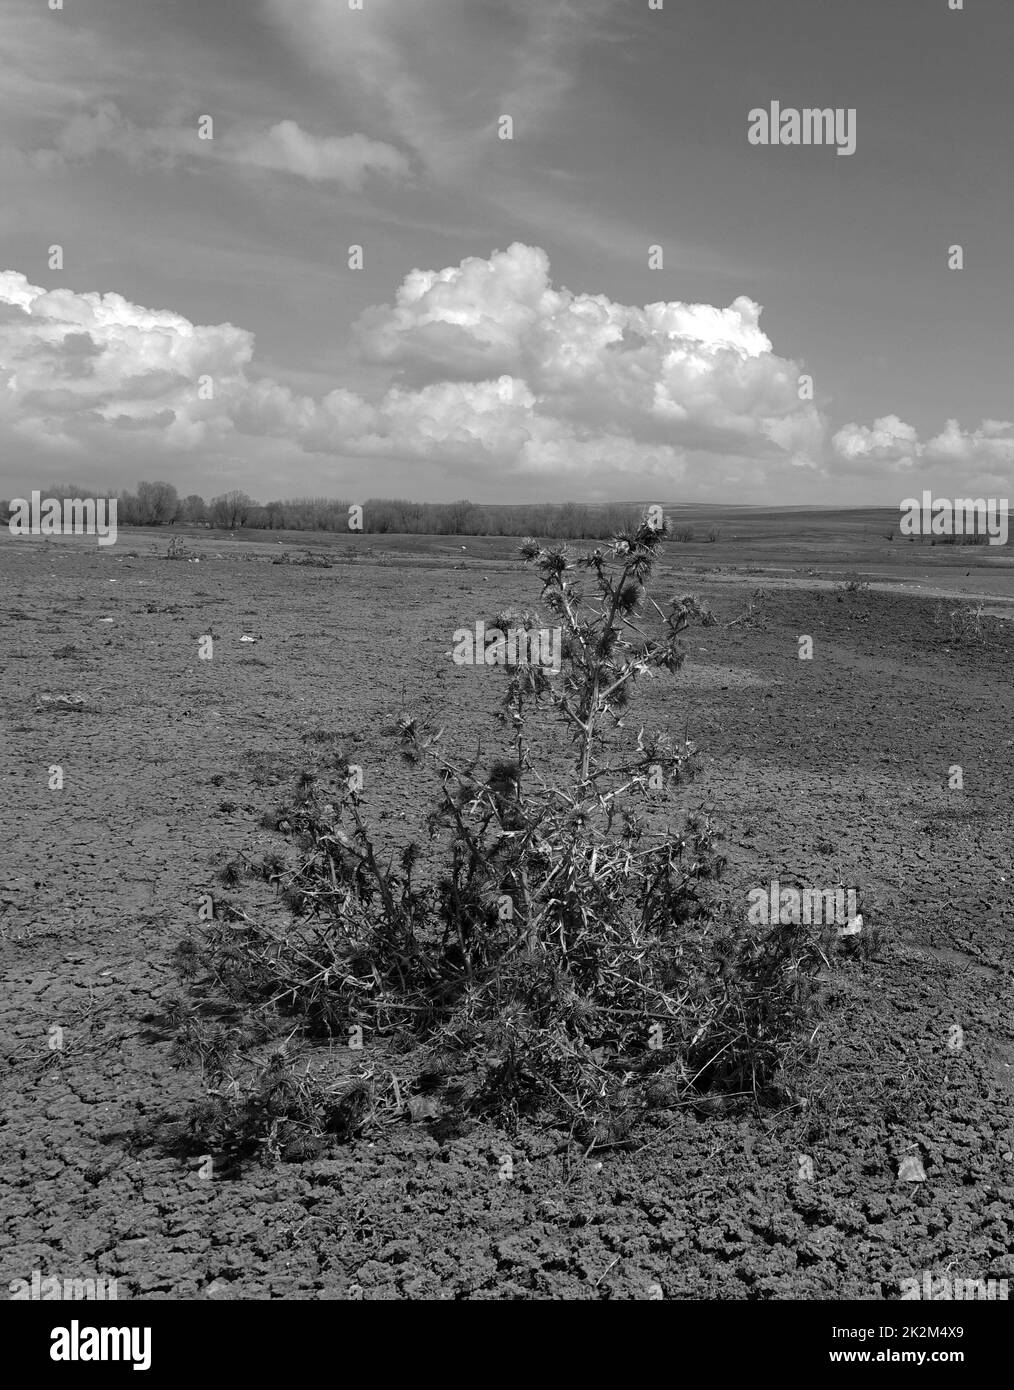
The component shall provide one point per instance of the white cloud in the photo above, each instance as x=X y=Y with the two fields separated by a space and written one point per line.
x=498 y=370
x=441 y=73
x=672 y=375
x=283 y=148
x=75 y=368
x=982 y=456
x=992 y=442
x=501 y=379
x=344 y=158
x=435 y=76
x=889 y=442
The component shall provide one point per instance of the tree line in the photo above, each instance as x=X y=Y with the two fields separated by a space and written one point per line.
x=159 y=504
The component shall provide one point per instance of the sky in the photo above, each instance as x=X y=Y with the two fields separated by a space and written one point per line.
x=627 y=299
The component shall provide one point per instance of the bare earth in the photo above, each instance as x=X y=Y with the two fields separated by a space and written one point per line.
x=833 y=770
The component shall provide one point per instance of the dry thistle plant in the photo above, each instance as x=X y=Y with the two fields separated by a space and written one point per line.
x=555 y=955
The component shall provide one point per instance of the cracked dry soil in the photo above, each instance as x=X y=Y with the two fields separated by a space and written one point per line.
x=822 y=771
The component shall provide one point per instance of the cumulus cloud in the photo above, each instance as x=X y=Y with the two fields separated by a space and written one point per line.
x=495 y=368
x=683 y=378
x=889 y=442
x=890 y=447
x=72 y=366
x=496 y=374
x=992 y=443
x=283 y=148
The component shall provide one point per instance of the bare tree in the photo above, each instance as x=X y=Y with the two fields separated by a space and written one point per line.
x=230 y=510
x=158 y=504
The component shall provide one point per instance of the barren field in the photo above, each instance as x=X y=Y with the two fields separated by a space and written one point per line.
x=829 y=771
